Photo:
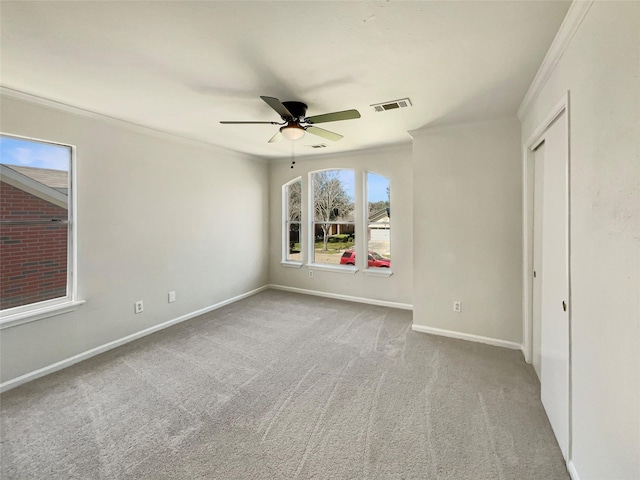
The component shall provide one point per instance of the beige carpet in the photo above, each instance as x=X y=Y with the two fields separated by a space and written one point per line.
x=283 y=386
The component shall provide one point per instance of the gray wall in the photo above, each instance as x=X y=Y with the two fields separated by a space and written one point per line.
x=393 y=163
x=601 y=69
x=154 y=214
x=467 y=229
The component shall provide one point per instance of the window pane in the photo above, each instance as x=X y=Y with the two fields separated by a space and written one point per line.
x=293 y=216
x=333 y=206
x=294 y=196
x=379 y=227
x=333 y=196
x=293 y=242
x=331 y=241
x=34 y=215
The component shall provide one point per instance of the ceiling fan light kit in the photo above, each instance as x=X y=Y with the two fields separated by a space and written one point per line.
x=292 y=131
x=293 y=116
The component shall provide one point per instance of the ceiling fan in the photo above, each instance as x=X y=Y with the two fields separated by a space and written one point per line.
x=293 y=118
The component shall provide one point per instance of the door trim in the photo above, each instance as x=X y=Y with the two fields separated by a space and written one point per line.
x=534 y=140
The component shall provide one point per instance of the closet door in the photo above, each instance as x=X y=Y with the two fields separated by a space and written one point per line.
x=538 y=195
x=554 y=284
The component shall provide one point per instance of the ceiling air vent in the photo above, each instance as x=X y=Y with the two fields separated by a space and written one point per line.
x=402 y=103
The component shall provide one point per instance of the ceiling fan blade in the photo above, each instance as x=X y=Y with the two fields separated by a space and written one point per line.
x=321 y=132
x=232 y=122
x=334 y=117
x=277 y=106
x=276 y=138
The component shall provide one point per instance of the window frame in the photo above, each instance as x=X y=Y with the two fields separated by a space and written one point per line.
x=360 y=224
x=338 y=268
x=367 y=270
x=39 y=310
x=285 y=261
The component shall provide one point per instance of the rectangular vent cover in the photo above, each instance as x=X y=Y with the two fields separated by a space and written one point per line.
x=402 y=103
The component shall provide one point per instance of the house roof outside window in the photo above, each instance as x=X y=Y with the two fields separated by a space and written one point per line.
x=49 y=185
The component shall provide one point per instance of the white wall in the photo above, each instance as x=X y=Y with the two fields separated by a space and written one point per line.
x=467 y=229
x=154 y=214
x=601 y=70
x=393 y=163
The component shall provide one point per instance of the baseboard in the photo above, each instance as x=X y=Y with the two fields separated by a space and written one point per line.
x=572 y=470
x=41 y=372
x=466 y=336
x=348 y=298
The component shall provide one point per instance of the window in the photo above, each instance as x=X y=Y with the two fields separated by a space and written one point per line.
x=379 y=221
x=331 y=203
x=36 y=221
x=293 y=217
x=333 y=226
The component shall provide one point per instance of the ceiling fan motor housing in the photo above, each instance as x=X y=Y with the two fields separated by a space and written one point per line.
x=298 y=110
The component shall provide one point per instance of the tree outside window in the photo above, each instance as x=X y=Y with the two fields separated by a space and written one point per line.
x=293 y=219
x=333 y=220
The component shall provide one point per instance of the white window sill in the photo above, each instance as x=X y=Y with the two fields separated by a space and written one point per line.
x=333 y=268
x=378 y=272
x=12 y=320
x=290 y=264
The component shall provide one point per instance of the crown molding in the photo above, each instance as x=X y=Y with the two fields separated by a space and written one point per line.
x=444 y=127
x=118 y=122
x=575 y=15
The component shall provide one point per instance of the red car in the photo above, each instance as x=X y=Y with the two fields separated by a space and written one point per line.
x=375 y=259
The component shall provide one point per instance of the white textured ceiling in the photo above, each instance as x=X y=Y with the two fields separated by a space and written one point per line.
x=183 y=66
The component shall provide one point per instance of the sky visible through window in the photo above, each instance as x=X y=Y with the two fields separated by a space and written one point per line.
x=377 y=188
x=377 y=185
x=29 y=153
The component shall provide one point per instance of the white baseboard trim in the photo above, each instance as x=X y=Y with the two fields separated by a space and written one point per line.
x=466 y=336
x=573 y=473
x=348 y=298
x=41 y=372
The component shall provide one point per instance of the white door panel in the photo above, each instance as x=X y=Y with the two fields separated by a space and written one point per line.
x=554 y=287
x=538 y=195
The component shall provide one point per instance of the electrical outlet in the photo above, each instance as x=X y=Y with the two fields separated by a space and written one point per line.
x=172 y=297
x=138 y=307
x=310 y=273
x=457 y=306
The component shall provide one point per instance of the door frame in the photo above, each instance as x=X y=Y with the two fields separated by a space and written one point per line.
x=528 y=178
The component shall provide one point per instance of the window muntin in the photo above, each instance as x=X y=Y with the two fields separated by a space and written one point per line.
x=293 y=221
x=333 y=225
x=36 y=221
x=379 y=221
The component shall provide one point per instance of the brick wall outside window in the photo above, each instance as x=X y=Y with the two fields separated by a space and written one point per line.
x=33 y=258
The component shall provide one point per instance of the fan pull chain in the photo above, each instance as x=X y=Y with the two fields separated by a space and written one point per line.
x=293 y=161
